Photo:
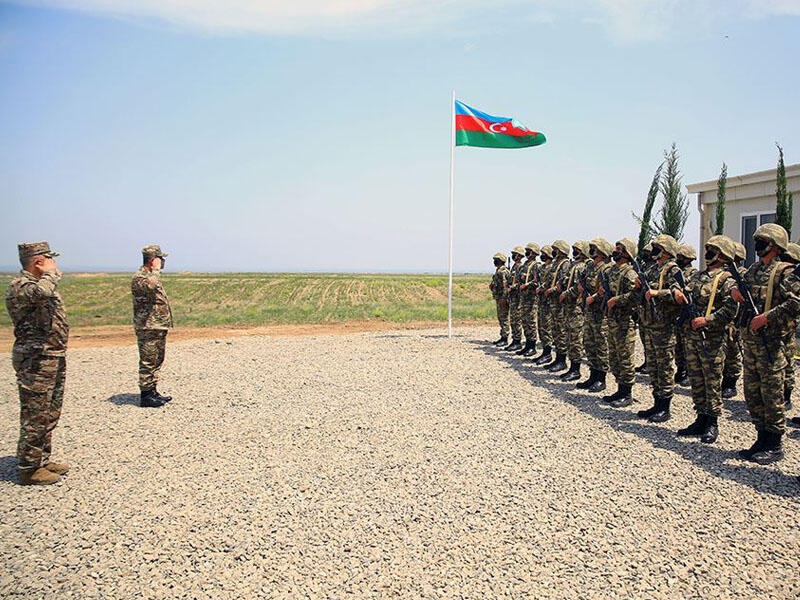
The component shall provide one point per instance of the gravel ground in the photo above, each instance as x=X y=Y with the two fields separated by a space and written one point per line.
x=384 y=465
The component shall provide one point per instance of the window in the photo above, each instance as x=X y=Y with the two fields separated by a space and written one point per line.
x=749 y=225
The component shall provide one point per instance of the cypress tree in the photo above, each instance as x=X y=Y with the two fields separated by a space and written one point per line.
x=645 y=227
x=784 y=200
x=675 y=209
x=719 y=224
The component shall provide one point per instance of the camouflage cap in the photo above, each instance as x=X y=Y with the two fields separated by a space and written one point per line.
x=547 y=251
x=741 y=251
x=774 y=233
x=518 y=250
x=629 y=245
x=153 y=251
x=582 y=246
x=724 y=244
x=793 y=251
x=603 y=246
x=686 y=251
x=29 y=249
x=562 y=246
x=533 y=246
x=667 y=243
x=500 y=256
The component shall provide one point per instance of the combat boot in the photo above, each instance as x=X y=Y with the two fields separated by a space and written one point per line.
x=748 y=453
x=587 y=383
x=559 y=364
x=772 y=451
x=544 y=357
x=682 y=377
x=574 y=372
x=40 y=476
x=514 y=345
x=787 y=398
x=600 y=383
x=57 y=468
x=647 y=413
x=161 y=397
x=531 y=350
x=609 y=398
x=696 y=428
x=501 y=342
x=150 y=400
x=728 y=387
x=625 y=398
x=524 y=349
x=662 y=414
x=642 y=368
x=711 y=431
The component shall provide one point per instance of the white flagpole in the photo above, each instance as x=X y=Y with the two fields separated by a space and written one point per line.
x=450 y=253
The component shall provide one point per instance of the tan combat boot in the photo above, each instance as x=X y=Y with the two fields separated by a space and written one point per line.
x=40 y=476
x=57 y=468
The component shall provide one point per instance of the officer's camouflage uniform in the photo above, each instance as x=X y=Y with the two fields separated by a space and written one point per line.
x=529 y=301
x=39 y=359
x=680 y=346
x=499 y=287
x=514 y=302
x=559 y=278
x=595 y=325
x=733 y=348
x=621 y=330
x=573 y=310
x=545 y=309
x=152 y=318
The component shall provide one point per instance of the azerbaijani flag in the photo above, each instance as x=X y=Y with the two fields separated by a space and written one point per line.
x=476 y=128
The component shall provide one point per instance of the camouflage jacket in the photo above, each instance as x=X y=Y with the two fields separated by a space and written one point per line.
x=622 y=281
x=517 y=276
x=150 y=303
x=500 y=282
x=572 y=290
x=530 y=278
x=689 y=272
x=724 y=308
x=558 y=276
x=662 y=281
x=545 y=275
x=592 y=278
x=37 y=312
x=784 y=305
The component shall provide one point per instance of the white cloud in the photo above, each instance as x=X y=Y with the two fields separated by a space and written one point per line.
x=624 y=20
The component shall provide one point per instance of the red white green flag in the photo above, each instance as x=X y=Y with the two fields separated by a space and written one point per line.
x=476 y=128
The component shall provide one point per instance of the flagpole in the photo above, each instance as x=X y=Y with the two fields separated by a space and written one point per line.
x=452 y=178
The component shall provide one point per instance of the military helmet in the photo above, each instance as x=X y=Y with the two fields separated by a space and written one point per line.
x=547 y=251
x=582 y=246
x=686 y=251
x=532 y=246
x=724 y=244
x=153 y=251
x=741 y=251
x=629 y=245
x=772 y=232
x=793 y=251
x=500 y=256
x=518 y=250
x=667 y=243
x=562 y=246
x=603 y=246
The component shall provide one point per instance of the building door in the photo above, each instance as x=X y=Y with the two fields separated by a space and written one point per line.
x=749 y=225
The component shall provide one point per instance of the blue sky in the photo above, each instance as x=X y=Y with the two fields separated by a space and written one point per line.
x=249 y=135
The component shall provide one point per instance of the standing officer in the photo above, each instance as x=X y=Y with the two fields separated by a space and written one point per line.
x=529 y=300
x=572 y=302
x=645 y=259
x=704 y=332
x=792 y=255
x=733 y=341
x=557 y=280
x=686 y=255
x=152 y=318
x=499 y=287
x=595 y=325
x=776 y=293
x=514 y=307
x=39 y=359
x=621 y=330
x=545 y=316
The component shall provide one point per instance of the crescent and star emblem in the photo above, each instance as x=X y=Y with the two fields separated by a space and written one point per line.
x=498 y=128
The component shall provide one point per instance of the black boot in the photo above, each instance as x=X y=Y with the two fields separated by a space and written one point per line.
x=711 y=431
x=772 y=451
x=586 y=384
x=647 y=413
x=748 y=453
x=514 y=345
x=501 y=342
x=609 y=398
x=625 y=398
x=559 y=364
x=161 y=397
x=544 y=357
x=682 y=377
x=531 y=349
x=642 y=368
x=696 y=428
x=662 y=414
x=524 y=349
x=787 y=398
x=728 y=387
x=150 y=400
x=574 y=372
x=600 y=383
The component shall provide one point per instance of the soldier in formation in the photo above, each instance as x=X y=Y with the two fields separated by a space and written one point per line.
x=515 y=300
x=572 y=301
x=733 y=342
x=558 y=279
x=595 y=325
x=501 y=280
x=686 y=256
x=545 y=315
x=529 y=300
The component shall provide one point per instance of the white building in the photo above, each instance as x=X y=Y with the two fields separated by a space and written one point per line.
x=749 y=202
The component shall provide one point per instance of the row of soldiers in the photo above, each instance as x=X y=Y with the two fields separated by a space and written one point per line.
x=589 y=299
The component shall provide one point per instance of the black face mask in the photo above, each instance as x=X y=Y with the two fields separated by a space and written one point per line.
x=683 y=262
x=498 y=263
x=592 y=253
x=761 y=246
x=616 y=255
x=711 y=256
x=655 y=253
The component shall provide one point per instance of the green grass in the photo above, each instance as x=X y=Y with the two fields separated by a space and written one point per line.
x=249 y=299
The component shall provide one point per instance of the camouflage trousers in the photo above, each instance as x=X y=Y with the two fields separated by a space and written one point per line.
x=595 y=340
x=763 y=381
x=545 y=323
x=530 y=317
x=705 y=370
x=573 y=323
x=659 y=352
x=733 y=353
x=40 y=380
x=790 y=346
x=515 y=316
x=152 y=346
x=621 y=344
x=680 y=349
x=560 y=340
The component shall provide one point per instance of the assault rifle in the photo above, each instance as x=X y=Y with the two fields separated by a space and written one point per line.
x=690 y=310
x=750 y=308
x=645 y=285
x=608 y=294
x=596 y=314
